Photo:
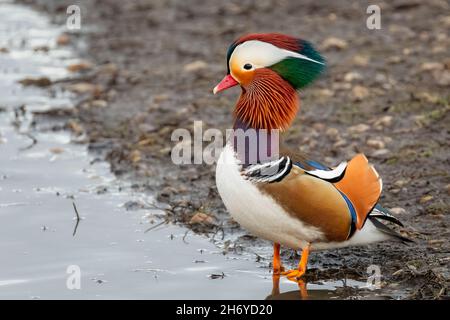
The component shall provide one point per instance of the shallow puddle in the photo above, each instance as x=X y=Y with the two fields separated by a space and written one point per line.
x=44 y=177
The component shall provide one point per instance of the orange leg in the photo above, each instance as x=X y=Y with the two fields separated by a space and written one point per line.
x=302 y=289
x=275 y=285
x=277 y=266
x=296 y=274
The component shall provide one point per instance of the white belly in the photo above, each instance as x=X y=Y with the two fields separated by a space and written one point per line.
x=257 y=212
x=263 y=217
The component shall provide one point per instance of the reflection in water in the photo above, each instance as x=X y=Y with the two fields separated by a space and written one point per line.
x=327 y=291
x=301 y=294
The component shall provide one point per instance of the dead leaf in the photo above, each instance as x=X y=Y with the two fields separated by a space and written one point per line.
x=201 y=217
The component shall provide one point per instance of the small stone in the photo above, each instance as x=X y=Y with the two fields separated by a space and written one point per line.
x=442 y=77
x=146 y=142
x=318 y=126
x=385 y=121
x=340 y=143
x=334 y=43
x=56 y=150
x=147 y=128
x=359 y=128
x=397 y=211
x=387 y=139
x=341 y=86
x=324 y=93
x=160 y=98
x=81 y=66
x=332 y=133
x=401 y=183
x=99 y=103
x=360 y=60
x=195 y=66
x=108 y=68
x=380 y=153
x=447 y=187
x=135 y=156
x=426 y=199
x=376 y=144
x=84 y=87
x=63 y=40
x=351 y=76
x=436 y=241
x=359 y=93
x=429 y=66
x=394 y=59
x=406 y=51
x=445 y=21
x=426 y=97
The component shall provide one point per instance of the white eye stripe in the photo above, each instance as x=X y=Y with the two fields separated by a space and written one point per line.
x=262 y=54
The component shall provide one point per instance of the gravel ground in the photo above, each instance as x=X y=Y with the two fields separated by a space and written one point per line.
x=151 y=66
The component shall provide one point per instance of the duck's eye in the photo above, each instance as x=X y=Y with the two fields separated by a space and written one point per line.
x=247 y=66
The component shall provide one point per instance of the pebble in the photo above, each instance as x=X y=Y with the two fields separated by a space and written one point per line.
x=376 y=144
x=318 y=126
x=359 y=93
x=397 y=211
x=359 y=128
x=429 y=66
x=195 y=66
x=351 y=76
x=385 y=121
x=324 y=93
x=99 y=103
x=63 y=40
x=340 y=143
x=84 y=87
x=81 y=66
x=426 y=97
x=394 y=59
x=442 y=77
x=360 y=60
x=135 y=156
x=334 y=43
x=426 y=199
x=401 y=183
x=380 y=153
x=332 y=133
x=56 y=150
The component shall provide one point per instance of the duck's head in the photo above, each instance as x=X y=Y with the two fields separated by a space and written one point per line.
x=269 y=68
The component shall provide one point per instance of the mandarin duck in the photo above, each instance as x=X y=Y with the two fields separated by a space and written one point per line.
x=281 y=195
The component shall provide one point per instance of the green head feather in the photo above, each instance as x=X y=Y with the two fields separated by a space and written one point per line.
x=301 y=72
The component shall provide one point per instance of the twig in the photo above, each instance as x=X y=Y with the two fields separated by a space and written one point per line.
x=78 y=219
x=33 y=139
x=184 y=237
x=157 y=225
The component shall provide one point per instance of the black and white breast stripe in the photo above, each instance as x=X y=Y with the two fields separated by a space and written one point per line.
x=272 y=171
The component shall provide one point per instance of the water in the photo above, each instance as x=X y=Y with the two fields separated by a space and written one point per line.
x=43 y=173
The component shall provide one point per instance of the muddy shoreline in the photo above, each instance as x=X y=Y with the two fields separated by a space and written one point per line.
x=150 y=69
